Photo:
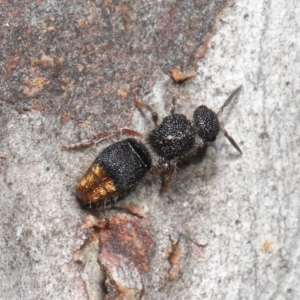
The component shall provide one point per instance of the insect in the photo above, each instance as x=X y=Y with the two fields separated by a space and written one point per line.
x=123 y=164
x=115 y=170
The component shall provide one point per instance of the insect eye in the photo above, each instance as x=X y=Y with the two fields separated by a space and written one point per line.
x=207 y=123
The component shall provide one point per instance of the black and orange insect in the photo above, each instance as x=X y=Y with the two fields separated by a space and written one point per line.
x=116 y=169
x=123 y=164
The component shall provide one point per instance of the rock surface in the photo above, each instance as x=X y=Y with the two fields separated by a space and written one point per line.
x=230 y=227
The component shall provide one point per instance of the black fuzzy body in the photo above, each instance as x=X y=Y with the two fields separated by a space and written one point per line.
x=125 y=163
x=206 y=123
x=174 y=137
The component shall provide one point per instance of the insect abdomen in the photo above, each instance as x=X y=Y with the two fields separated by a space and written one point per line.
x=116 y=169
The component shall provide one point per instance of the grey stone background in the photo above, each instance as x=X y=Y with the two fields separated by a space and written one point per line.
x=236 y=217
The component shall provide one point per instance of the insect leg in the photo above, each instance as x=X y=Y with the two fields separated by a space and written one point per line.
x=173 y=107
x=102 y=137
x=168 y=179
x=140 y=105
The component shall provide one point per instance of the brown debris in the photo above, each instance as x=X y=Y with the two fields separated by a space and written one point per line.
x=81 y=22
x=175 y=256
x=64 y=118
x=267 y=246
x=47 y=61
x=35 y=107
x=90 y=222
x=125 y=255
x=179 y=76
x=204 y=46
x=12 y=63
x=51 y=64
x=80 y=68
x=122 y=94
x=135 y=210
x=34 y=86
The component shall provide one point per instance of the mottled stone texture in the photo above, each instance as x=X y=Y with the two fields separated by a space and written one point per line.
x=230 y=226
x=82 y=59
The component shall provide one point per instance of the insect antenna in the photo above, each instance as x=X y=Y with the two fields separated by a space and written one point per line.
x=228 y=100
x=226 y=103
